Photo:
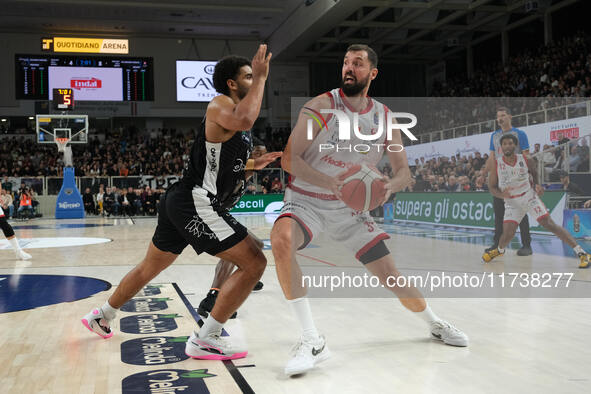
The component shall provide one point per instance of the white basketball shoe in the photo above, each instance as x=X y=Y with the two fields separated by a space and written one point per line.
x=96 y=322
x=447 y=333
x=306 y=354
x=22 y=255
x=213 y=347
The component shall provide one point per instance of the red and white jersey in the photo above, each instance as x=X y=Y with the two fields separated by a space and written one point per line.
x=513 y=178
x=335 y=161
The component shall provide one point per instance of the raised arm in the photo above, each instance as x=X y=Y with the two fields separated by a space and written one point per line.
x=233 y=117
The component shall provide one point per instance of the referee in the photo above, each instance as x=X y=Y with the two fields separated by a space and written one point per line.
x=504 y=120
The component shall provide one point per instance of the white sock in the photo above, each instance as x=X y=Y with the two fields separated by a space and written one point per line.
x=302 y=311
x=14 y=242
x=501 y=250
x=210 y=325
x=108 y=311
x=578 y=250
x=428 y=316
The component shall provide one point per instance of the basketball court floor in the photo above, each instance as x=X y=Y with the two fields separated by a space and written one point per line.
x=516 y=344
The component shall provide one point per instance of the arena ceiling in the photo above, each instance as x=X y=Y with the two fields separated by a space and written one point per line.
x=401 y=30
x=226 y=19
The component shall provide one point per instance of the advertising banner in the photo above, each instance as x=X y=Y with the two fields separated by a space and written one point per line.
x=259 y=203
x=85 y=45
x=194 y=80
x=543 y=134
x=464 y=209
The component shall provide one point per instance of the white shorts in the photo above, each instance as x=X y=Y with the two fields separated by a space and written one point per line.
x=516 y=208
x=357 y=231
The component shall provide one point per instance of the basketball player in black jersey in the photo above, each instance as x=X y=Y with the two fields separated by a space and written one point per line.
x=194 y=211
x=224 y=268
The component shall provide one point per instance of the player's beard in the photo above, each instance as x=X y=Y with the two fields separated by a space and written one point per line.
x=242 y=91
x=509 y=153
x=355 y=88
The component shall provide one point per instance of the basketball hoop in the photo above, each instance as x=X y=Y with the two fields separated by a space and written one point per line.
x=61 y=144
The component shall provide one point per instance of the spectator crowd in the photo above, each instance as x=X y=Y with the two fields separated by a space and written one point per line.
x=124 y=155
x=468 y=173
x=115 y=201
x=539 y=78
x=18 y=202
x=448 y=174
x=559 y=69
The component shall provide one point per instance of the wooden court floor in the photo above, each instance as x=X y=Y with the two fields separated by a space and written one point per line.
x=520 y=345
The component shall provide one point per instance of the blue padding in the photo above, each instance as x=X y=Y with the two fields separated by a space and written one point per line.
x=69 y=203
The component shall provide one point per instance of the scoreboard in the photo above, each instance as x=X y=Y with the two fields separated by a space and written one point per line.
x=63 y=99
x=94 y=78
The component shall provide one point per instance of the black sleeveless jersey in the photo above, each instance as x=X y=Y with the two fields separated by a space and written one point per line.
x=218 y=167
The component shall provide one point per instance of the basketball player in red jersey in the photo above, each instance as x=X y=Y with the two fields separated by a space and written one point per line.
x=313 y=205
x=514 y=178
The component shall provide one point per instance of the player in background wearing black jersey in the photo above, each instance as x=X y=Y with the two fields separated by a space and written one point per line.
x=194 y=210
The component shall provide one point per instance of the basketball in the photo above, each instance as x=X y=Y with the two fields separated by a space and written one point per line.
x=363 y=189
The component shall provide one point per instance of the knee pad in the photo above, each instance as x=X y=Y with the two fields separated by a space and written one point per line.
x=6 y=228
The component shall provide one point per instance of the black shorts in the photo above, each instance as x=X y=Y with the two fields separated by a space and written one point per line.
x=188 y=217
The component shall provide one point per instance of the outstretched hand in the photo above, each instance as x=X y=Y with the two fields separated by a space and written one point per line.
x=260 y=62
x=266 y=159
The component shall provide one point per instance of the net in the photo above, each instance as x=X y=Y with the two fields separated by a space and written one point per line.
x=61 y=144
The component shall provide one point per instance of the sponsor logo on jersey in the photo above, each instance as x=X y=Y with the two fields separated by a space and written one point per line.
x=239 y=166
x=213 y=162
x=337 y=163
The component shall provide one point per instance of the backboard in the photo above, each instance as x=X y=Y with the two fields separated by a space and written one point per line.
x=73 y=127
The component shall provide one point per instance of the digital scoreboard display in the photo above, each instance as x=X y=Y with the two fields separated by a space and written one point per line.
x=91 y=78
x=63 y=99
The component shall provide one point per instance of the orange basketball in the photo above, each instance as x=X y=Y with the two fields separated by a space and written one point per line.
x=363 y=188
